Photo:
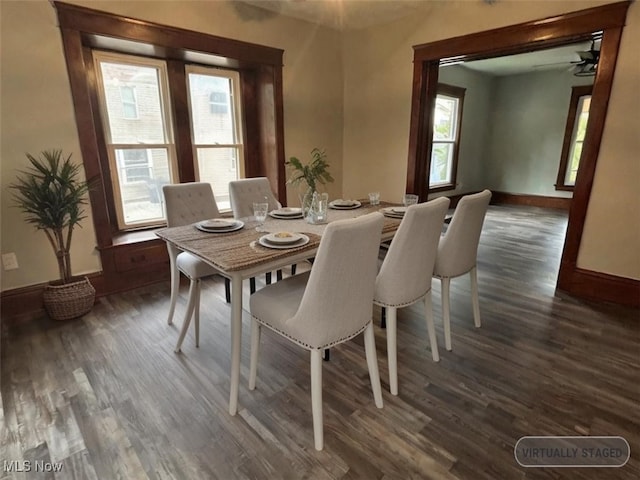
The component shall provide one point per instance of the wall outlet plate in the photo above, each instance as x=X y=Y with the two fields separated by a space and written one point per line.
x=9 y=261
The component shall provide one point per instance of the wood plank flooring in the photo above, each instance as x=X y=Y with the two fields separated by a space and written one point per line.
x=105 y=397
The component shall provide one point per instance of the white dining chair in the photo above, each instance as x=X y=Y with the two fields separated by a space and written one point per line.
x=242 y=194
x=187 y=203
x=327 y=306
x=458 y=251
x=405 y=274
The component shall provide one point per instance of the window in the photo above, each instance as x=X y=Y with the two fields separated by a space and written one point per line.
x=447 y=119
x=574 y=137
x=216 y=128
x=218 y=102
x=129 y=104
x=141 y=154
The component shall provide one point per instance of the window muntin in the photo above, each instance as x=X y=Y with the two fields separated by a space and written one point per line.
x=215 y=127
x=137 y=172
x=574 y=137
x=447 y=119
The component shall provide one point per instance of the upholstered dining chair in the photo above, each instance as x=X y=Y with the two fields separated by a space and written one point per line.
x=405 y=274
x=243 y=193
x=187 y=203
x=326 y=306
x=458 y=251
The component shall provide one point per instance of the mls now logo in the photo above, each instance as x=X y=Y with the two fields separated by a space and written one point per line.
x=16 y=466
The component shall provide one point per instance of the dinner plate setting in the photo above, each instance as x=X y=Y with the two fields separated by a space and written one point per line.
x=342 y=204
x=286 y=213
x=281 y=240
x=394 y=212
x=219 y=225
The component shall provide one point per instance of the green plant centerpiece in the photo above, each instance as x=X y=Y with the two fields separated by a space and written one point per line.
x=52 y=196
x=309 y=176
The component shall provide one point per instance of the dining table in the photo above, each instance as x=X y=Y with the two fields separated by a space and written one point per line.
x=239 y=255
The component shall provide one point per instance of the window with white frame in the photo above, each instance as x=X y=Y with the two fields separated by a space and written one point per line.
x=575 y=133
x=216 y=132
x=447 y=119
x=142 y=153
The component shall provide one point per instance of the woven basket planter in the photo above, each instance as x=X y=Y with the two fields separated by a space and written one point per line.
x=71 y=300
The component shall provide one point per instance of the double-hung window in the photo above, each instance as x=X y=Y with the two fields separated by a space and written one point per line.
x=216 y=128
x=447 y=119
x=138 y=130
x=575 y=131
x=134 y=100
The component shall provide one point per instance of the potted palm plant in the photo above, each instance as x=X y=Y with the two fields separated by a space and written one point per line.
x=51 y=195
x=311 y=175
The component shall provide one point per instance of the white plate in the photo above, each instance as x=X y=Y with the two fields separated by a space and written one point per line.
x=236 y=225
x=302 y=241
x=217 y=223
x=282 y=238
x=389 y=212
x=287 y=212
x=344 y=204
x=286 y=217
x=399 y=210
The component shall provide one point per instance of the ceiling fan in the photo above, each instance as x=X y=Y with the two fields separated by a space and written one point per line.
x=588 y=63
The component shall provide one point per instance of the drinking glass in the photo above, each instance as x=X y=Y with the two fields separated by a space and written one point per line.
x=374 y=198
x=260 y=213
x=409 y=199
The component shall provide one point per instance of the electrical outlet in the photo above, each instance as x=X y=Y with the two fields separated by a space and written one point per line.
x=9 y=261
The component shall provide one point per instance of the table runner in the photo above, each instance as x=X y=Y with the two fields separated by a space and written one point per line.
x=239 y=250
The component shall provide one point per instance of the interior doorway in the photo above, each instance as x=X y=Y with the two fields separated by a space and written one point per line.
x=522 y=38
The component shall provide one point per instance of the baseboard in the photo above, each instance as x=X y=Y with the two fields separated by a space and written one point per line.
x=27 y=301
x=561 y=203
x=601 y=287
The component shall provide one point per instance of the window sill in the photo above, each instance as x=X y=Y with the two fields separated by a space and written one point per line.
x=442 y=188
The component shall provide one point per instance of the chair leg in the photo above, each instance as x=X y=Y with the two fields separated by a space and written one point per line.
x=316 y=398
x=474 y=296
x=392 y=350
x=196 y=312
x=326 y=354
x=227 y=290
x=293 y=269
x=252 y=285
x=383 y=318
x=175 y=286
x=267 y=278
x=278 y=275
x=255 y=351
x=446 y=282
x=372 y=362
x=428 y=313
x=193 y=286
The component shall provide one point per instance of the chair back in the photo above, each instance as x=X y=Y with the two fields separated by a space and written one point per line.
x=458 y=248
x=186 y=203
x=405 y=274
x=244 y=192
x=338 y=299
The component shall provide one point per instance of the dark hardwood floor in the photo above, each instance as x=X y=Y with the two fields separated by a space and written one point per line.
x=105 y=397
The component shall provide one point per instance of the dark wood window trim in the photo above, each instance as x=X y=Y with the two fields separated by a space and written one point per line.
x=521 y=38
x=260 y=68
x=457 y=92
x=576 y=94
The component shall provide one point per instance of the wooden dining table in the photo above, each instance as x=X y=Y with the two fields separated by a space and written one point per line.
x=238 y=256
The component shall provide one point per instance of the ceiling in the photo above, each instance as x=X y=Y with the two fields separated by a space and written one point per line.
x=346 y=15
